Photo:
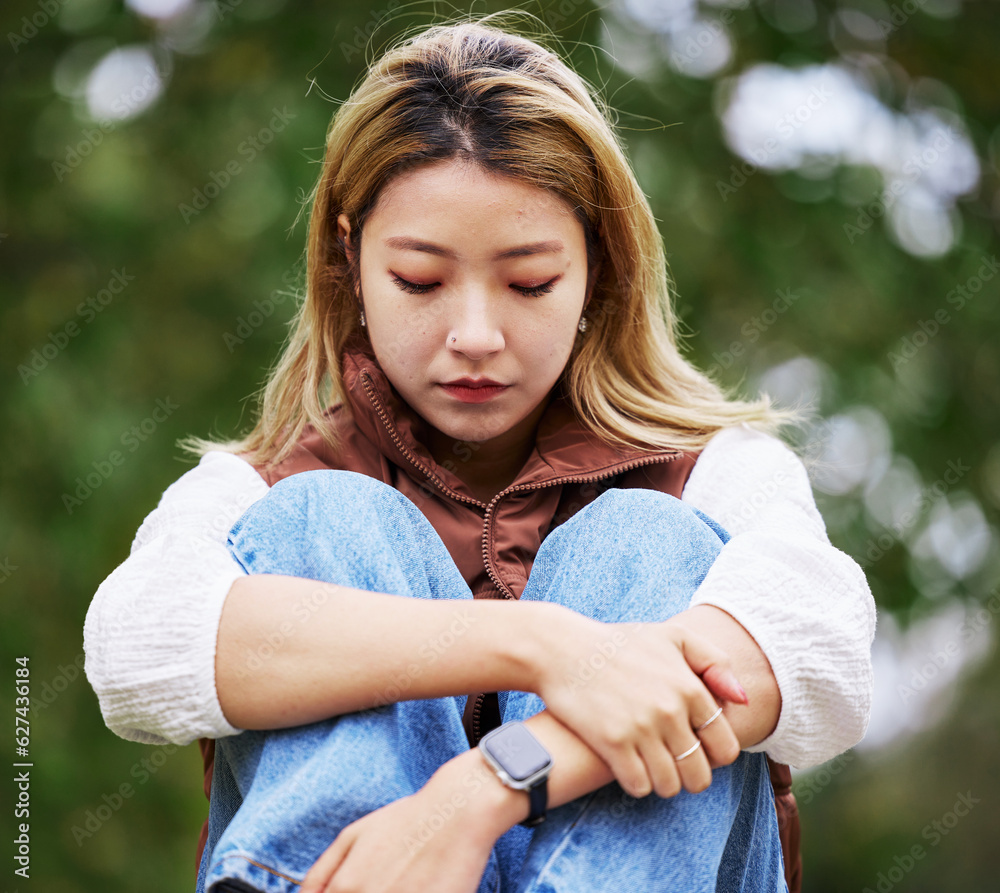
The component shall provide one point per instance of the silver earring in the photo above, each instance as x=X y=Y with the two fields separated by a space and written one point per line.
x=583 y=324
x=361 y=316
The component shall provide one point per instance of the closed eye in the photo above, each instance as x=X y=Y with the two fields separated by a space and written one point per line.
x=414 y=288
x=420 y=288
x=536 y=291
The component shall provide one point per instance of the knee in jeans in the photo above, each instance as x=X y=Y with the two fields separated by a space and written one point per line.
x=649 y=510
x=328 y=484
x=330 y=497
x=636 y=504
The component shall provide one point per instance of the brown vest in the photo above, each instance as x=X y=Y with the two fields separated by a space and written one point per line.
x=493 y=545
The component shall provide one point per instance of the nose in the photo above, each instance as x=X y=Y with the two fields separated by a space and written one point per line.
x=476 y=330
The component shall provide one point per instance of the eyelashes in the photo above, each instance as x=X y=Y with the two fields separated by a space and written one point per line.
x=536 y=291
x=415 y=288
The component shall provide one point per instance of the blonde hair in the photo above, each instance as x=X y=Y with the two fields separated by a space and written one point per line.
x=509 y=105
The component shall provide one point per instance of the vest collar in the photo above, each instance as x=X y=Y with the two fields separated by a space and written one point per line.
x=564 y=448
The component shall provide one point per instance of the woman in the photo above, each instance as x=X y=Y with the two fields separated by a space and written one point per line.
x=481 y=467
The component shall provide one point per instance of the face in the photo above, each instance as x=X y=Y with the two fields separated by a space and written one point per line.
x=469 y=275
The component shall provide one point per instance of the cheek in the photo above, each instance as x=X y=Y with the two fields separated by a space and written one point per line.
x=551 y=340
x=405 y=318
x=404 y=339
x=423 y=321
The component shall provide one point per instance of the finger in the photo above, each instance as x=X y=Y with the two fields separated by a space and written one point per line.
x=722 y=746
x=706 y=721
x=722 y=683
x=630 y=772
x=661 y=767
x=713 y=666
x=326 y=866
x=691 y=762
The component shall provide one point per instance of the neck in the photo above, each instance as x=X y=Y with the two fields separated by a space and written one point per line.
x=487 y=467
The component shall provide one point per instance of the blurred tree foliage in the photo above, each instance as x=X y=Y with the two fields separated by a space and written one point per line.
x=150 y=259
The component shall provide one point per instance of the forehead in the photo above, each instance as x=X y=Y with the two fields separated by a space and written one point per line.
x=442 y=191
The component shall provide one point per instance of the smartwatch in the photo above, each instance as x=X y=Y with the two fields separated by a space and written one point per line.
x=521 y=763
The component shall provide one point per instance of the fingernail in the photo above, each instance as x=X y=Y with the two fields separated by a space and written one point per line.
x=746 y=699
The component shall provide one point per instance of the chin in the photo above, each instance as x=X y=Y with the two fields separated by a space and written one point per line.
x=473 y=430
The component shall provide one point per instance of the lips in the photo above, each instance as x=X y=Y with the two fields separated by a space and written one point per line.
x=474 y=390
x=475 y=383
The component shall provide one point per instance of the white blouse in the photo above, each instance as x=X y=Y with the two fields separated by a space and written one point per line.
x=151 y=629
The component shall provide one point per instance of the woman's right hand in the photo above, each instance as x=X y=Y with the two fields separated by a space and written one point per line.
x=636 y=692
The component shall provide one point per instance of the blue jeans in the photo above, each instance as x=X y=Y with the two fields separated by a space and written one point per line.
x=279 y=798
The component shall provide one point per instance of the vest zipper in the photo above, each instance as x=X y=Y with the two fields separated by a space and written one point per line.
x=502 y=587
x=477 y=716
x=566 y=479
x=477 y=709
x=390 y=427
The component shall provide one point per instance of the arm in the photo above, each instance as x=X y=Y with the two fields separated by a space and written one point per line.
x=150 y=631
x=803 y=602
x=468 y=809
x=180 y=611
x=293 y=651
x=274 y=668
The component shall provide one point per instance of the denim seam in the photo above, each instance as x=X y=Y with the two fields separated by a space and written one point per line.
x=258 y=865
x=557 y=852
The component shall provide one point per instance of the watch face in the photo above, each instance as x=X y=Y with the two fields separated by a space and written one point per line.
x=517 y=751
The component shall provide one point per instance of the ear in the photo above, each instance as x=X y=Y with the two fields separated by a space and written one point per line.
x=595 y=262
x=344 y=234
x=592 y=274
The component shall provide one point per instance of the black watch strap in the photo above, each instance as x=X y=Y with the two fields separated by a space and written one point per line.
x=539 y=795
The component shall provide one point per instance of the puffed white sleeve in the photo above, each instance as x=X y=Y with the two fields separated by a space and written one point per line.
x=806 y=603
x=150 y=632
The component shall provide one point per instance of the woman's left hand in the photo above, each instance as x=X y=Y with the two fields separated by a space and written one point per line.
x=437 y=839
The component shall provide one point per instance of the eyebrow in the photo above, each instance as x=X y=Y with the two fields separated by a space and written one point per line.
x=405 y=243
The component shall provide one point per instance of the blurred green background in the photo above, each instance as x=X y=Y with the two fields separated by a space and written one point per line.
x=826 y=180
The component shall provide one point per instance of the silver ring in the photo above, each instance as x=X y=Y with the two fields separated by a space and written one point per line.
x=709 y=721
x=687 y=752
